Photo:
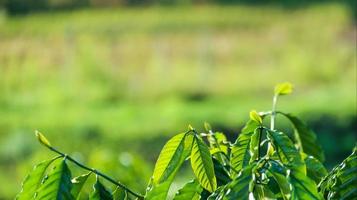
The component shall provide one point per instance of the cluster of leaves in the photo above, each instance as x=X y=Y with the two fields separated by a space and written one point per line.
x=263 y=163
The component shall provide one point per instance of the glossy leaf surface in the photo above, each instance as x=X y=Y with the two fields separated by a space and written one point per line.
x=57 y=185
x=302 y=187
x=202 y=165
x=33 y=180
x=169 y=158
x=191 y=190
x=286 y=150
x=120 y=194
x=240 y=154
x=78 y=183
x=306 y=138
x=100 y=192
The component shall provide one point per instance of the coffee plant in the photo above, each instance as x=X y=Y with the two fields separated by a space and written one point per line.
x=263 y=163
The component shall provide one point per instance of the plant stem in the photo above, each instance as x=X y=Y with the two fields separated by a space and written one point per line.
x=260 y=138
x=273 y=112
x=272 y=119
x=139 y=196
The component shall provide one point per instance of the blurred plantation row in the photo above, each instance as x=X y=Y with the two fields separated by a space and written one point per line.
x=14 y=7
x=90 y=78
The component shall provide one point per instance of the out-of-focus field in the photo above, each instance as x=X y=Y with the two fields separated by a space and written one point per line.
x=100 y=83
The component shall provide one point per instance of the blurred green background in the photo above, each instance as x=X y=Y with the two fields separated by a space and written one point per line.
x=110 y=83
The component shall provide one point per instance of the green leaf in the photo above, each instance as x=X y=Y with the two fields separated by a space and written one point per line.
x=169 y=158
x=179 y=147
x=283 y=88
x=207 y=126
x=250 y=127
x=191 y=190
x=255 y=117
x=221 y=138
x=100 y=192
x=221 y=173
x=158 y=191
x=120 y=194
x=240 y=154
x=57 y=184
x=286 y=150
x=78 y=183
x=341 y=182
x=255 y=145
x=314 y=168
x=262 y=192
x=306 y=138
x=42 y=139
x=202 y=165
x=302 y=186
x=217 y=150
x=217 y=194
x=278 y=173
x=239 y=187
x=33 y=180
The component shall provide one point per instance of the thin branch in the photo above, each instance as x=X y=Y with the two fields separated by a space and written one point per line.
x=273 y=112
x=139 y=196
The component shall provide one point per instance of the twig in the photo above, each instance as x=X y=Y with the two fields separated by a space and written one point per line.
x=139 y=196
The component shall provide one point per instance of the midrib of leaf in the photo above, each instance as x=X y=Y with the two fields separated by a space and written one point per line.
x=54 y=185
x=77 y=186
x=191 y=190
x=100 y=191
x=37 y=183
x=240 y=160
x=158 y=189
x=241 y=146
x=202 y=165
x=60 y=188
x=239 y=188
x=303 y=186
x=283 y=145
x=278 y=181
x=162 y=170
x=306 y=138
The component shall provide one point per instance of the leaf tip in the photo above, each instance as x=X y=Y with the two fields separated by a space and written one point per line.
x=190 y=128
x=207 y=126
x=42 y=139
x=255 y=116
x=283 y=88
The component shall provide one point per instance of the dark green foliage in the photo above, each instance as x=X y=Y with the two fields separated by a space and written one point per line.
x=221 y=172
x=239 y=187
x=192 y=190
x=341 y=182
x=306 y=138
x=263 y=163
x=100 y=192
x=78 y=183
x=57 y=184
x=315 y=169
x=120 y=194
x=34 y=180
x=286 y=151
x=240 y=155
x=302 y=186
